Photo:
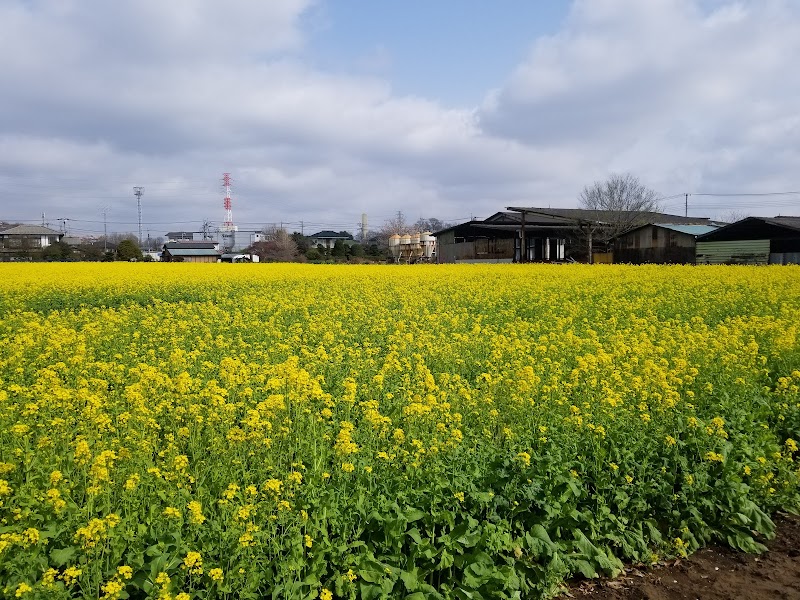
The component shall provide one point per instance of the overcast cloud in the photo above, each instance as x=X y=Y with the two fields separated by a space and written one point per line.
x=691 y=96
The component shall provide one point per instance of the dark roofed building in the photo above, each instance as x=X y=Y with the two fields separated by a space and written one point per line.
x=546 y=234
x=327 y=239
x=754 y=241
x=498 y=238
x=198 y=252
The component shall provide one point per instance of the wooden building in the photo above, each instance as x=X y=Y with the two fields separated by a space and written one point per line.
x=662 y=243
x=752 y=241
x=500 y=239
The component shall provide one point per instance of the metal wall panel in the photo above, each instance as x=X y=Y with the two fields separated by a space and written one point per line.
x=736 y=252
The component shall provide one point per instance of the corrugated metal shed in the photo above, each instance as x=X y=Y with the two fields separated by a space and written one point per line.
x=739 y=252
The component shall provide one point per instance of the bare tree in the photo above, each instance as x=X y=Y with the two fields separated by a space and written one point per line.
x=279 y=247
x=625 y=201
x=734 y=215
x=433 y=224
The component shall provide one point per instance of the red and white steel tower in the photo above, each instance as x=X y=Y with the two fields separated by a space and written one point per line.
x=228 y=225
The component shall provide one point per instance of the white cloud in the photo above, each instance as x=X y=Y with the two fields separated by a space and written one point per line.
x=685 y=94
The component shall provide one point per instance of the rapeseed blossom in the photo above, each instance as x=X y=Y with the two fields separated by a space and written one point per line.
x=158 y=420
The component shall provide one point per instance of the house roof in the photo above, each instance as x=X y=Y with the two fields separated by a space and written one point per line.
x=608 y=216
x=192 y=252
x=331 y=235
x=753 y=228
x=792 y=222
x=30 y=230
x=189 y=245
x=497 y=228
x=568 y=218
x=180 y=234
x=694 y=230
x=688 y=229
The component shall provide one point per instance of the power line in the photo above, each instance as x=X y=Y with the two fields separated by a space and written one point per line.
x=746 y=194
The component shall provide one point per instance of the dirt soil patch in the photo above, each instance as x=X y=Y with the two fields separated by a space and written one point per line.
x=711 y=574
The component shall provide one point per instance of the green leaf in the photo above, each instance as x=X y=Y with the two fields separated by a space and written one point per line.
x=370 y=591
x=416 y=596
x=370 y=576
x=446 y=560
x=62 y=556
x=410 y=580
x=414 y=515
x=586 y=568
x=414 y=535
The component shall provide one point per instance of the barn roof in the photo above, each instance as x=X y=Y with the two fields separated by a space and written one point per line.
x=756 y=228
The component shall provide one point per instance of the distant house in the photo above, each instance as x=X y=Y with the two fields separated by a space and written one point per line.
x=663 y=243
x=752 y=241
x=328 y=239
x=28 y=237
x=197 y=252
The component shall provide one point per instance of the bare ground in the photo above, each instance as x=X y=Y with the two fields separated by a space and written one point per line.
x=711 y=574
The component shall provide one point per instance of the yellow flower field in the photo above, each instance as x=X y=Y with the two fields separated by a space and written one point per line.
x=311 y=431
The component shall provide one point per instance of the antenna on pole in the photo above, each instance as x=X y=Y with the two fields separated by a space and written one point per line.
x=227 y=225
x=138 y=190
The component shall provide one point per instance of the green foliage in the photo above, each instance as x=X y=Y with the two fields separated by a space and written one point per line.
x=128 y=250
x=57 y=251
x=339 y=249
x=313 y=254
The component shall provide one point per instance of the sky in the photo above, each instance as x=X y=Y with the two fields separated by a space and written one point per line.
x=322 y=110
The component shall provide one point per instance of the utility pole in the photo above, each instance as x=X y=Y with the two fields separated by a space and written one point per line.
x=686 y=210
x=138 y=190
x=105 y=232
x=302 y=231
